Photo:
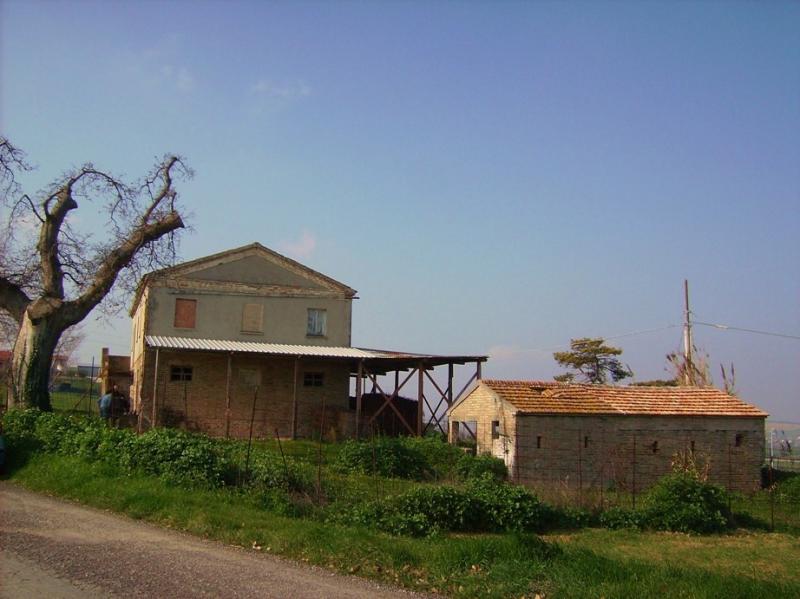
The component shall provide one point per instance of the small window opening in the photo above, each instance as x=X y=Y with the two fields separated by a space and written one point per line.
x=654 y=446
x=181 y=373
x=586 y=442
x=313 y=379
x=495 y=429
x=538 y=442
x=739 y=439
x=691 y=447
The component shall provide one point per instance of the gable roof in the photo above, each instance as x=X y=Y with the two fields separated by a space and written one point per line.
x=549 y=397
x=253 y=249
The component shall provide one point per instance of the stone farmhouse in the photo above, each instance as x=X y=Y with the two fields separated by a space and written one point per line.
x=576 y=437
x=248 y=341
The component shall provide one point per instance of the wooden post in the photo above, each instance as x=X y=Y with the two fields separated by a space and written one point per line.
x=421 y=398
x=450 y=385
x=359 y=393
x=294 y=397
x=228 y=398
x=478 y=374
x=155 y=390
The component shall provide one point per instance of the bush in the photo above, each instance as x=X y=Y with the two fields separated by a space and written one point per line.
x=470 y=467
x=269 y=472
x=484 y=505
x=681 y=502
x=383 y=456
x=619 y=517
x=176 y=456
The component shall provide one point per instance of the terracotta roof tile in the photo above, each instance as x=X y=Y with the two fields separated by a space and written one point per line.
x=549 y=397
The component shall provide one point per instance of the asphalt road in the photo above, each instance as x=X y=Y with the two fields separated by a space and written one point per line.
x=57 y=549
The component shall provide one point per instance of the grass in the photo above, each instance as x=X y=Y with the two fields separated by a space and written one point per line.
x=588 y=563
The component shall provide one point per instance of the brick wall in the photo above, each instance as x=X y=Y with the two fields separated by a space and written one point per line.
x=200 y=404
x=572 y=452
x=624 y=452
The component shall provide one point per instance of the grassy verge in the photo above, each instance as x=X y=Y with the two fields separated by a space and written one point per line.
x=589 y=563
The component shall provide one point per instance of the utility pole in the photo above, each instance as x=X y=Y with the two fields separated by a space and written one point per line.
x=688 y=375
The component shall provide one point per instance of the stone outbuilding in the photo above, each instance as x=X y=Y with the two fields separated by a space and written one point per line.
x=576 y=437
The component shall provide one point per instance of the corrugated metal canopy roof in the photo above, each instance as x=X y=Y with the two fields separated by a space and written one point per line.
x=375 y=356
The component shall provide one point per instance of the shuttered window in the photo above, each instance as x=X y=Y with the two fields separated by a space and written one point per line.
x=185 y=313
x=317 y=323
x=253 y=318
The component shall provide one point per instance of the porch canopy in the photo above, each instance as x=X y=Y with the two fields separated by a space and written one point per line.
x=364 y=364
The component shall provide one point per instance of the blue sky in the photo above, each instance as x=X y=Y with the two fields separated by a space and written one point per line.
x=492 y=177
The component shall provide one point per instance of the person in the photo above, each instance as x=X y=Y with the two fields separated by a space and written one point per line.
x=104 y=403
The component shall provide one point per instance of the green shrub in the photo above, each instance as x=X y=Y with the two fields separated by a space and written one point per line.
x=470 y=467
x=508 y=507
x=384 y=456
x=269 y=472
x=789 y=489
x=682 y=502
x=619 y=517
x=176 y=456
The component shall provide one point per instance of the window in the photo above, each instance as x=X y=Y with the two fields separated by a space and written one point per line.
x=253 y=318
x=495 y=429
x=185 y=313
x=538 y=442
x=691 y=447
x=586 y=442
x=739 y=439
x=249 y=377
x=181 y=373
x=654 y=446
x=313 y=379
x=317 y=322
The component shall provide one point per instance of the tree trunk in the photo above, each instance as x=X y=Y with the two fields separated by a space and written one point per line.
x=31 y=363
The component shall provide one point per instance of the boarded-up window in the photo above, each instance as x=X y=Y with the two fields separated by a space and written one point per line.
x=185 y=313
x=249 y=377
x=253 y=318
x=317 y=322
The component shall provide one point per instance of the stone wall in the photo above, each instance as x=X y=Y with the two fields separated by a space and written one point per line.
x=200 y=404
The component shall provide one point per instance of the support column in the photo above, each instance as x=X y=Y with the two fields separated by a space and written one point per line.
x=155 y=390
x=478 y=370
x=420 y=398
x=450 y=385
x=294 y=397
x=228 y=398
x=359 y=393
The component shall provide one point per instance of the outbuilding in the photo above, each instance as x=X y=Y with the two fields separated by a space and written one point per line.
x=576 y=437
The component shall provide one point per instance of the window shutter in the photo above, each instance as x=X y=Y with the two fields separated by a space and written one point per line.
x=253 y=318
x=185 y=313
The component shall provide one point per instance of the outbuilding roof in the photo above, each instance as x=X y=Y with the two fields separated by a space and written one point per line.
x=549 y=397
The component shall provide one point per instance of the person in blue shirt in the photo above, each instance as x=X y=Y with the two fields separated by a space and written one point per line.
x=104 y=403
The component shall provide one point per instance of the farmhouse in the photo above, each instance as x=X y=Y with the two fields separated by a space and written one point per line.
x=248 y=341
x=578 y=437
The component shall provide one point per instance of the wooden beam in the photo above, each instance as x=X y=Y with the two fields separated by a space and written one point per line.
x=294 y=396
x=359 y=394
x=389 y=401
x=155 y=390
x=421 y=396
x=228 y=397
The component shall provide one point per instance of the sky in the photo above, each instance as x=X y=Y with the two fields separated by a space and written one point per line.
x=492 y=177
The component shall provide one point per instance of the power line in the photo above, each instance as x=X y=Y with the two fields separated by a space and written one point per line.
x=726 y=327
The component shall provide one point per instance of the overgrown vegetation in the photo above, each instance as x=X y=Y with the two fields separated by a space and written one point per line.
x=334 y=506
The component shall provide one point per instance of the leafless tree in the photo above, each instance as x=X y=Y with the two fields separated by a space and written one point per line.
x=52 y=274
